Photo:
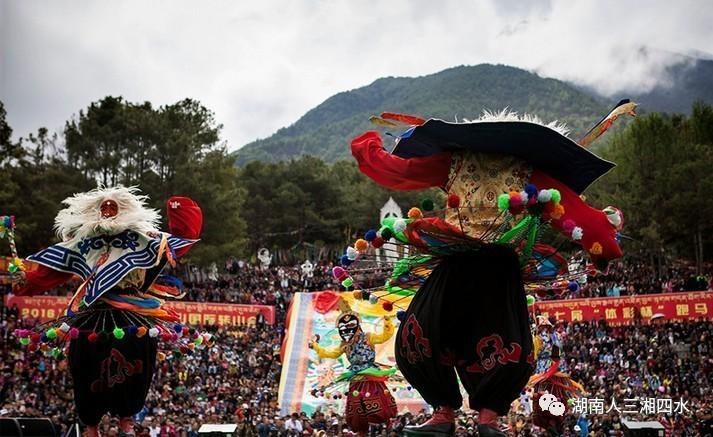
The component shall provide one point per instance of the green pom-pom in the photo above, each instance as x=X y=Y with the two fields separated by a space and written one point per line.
x=503 y=202
x=177 y=354
x=530 y=300
x=347 y=282
x=51 y=333
x=556 y=196
x=199 y=341
x=571 y=402
x=12 y=268
x=355 y=393
x=24 y=341
x=56 y=352
x=119 y=333
x=427 y=205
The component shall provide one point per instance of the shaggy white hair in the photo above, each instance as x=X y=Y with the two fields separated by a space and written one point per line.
x=507 y=115
x=82 y=217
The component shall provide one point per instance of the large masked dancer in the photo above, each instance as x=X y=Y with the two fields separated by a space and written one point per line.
x=112 y=245
x=506 y=177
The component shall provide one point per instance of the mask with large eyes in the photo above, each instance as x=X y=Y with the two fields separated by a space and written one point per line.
x=348 y=326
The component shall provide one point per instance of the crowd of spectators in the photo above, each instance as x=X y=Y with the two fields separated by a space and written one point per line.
x=632 y=276
x=236 y=380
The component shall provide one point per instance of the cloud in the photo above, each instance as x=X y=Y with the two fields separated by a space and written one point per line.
x=261 y=65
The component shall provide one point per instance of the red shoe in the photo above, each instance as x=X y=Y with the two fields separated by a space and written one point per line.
x=441 y=423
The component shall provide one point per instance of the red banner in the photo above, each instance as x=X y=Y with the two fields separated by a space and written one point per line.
x=47 y=308
x=624 y=310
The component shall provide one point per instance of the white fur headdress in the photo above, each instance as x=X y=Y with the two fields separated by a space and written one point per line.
x=82 y=217
x=507 y=115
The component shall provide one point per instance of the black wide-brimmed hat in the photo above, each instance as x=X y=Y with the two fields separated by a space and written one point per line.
x=544 y=147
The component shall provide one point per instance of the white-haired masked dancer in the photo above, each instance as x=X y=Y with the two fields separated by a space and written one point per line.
x=112 y=327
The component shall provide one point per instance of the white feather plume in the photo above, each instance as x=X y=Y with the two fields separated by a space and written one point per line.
x=507 y=115
x=82 y=217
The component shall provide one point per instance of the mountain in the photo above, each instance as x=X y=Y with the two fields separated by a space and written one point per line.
x=688 y=81
x=461 y=92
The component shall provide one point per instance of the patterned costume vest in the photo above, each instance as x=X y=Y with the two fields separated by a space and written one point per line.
x=478 y=179
x=360 y=353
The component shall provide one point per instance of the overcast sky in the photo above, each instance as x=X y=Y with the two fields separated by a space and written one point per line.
x=260 y=65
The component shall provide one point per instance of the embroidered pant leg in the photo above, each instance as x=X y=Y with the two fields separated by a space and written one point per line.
x=487 y=328
x=418 y=343
x=113 y=376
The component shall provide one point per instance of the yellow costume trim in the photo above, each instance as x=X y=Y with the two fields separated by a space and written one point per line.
x=385 y=334
x=327 y=352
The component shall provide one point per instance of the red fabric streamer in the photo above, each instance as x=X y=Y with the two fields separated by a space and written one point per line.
x=395 y=172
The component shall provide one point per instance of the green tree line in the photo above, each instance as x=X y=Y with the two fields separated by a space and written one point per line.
x=661 y=181
x=177 y=150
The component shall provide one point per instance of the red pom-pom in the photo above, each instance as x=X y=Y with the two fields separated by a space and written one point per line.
x=515 y=210
x=568 y=225
x=35 y=338
x=165 y=336
x=377 y=242
x=515 y=199
x=388 y=306
x=93 y=337
x=549 y=208
x=453 y=201
x=32 y=347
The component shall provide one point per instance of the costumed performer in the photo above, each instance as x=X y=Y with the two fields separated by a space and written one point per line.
x=111 y=242
x=506 y=177
x=368 y=399
x=550 y=378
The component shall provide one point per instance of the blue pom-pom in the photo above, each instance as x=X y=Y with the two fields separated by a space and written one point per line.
x=573 y=286
x=178 y=328
x=370 y=235
x=531 y=191
x=345 y=261
x=132 y=330
x=401 y=315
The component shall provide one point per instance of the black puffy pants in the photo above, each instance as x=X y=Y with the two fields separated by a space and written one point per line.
x=112 y=376
x=470 y=318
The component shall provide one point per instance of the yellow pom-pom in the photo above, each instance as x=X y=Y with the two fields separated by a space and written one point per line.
x=161 y=356
x=17 y=262
x=361 y=245
x=415 y=213
x=596 y=249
